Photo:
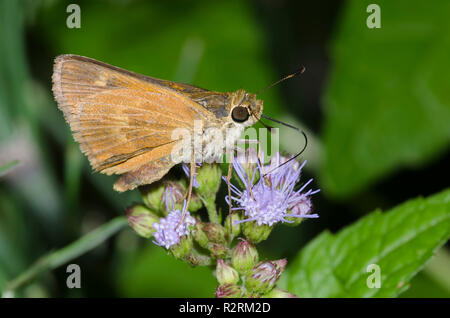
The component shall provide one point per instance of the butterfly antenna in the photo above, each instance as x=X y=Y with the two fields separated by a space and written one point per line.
x=295 y=128
x=300 y=71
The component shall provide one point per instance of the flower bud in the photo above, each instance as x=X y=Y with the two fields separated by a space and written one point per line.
x=200 y=236
x=231 y=227
x=153 y=196
x=218 y=250
x=264 y=276
x=228 y=291
x=256 y=233
x=177 y=189
x=183 y=248
x=182 y=188
x=244 y=256
x=195 y=204
x=141 y=220
x=302 y=207
x=215 y=232
x=279 y=293
x=173 y=195
x=225 y=273
x=280 y=264
x=209 y=178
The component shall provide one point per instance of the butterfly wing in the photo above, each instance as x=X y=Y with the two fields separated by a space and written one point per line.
x=123 y=121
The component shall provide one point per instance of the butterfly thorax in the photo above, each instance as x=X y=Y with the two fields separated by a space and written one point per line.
x=234 y=111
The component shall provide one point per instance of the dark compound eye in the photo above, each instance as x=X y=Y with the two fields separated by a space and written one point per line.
x=240 y=114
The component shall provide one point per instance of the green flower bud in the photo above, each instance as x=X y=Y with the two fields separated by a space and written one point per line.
x=214 y=232
x=179 y=192
x=218 y=250
x=228 y=291
x=175 y=191
x=256 y=233
x=279 y=293
x=212 y=237
x=209 y=177
x=141 y=220
x=226 y=274
x=264 y=276
x=231 y=227
x=200 y=236
x=153 y=196
x=195 y=204
x=201 y=233
x=244 y=256
x=182 y=249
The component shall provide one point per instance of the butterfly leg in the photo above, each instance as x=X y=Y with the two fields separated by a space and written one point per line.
x=229 y=175
x=230 y=170
x=189 y=192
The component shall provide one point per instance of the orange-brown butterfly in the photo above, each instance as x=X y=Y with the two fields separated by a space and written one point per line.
x=124 y=121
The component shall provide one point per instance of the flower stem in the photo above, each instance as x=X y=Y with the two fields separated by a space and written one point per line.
x=59 y=257
x=211 y=208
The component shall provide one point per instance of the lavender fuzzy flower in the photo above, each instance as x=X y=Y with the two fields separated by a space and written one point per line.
x=270 y=199
x=172 y=228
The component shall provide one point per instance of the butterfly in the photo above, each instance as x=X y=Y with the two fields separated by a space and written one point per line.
x=124 y=121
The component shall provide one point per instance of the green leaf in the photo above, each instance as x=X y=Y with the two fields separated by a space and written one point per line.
x=400 y=242
x=5 y=168
x=387 y=104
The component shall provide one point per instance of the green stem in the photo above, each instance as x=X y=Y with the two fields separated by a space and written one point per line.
x=211 y=208
x=59 y=257
x=5 y=168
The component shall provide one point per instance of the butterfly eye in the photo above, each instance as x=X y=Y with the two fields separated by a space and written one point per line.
x=240 y=114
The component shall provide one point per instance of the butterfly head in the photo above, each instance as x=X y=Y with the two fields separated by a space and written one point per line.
x=245 y=108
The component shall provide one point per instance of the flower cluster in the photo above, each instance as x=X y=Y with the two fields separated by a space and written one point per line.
x=261 y=197
x=273 y=198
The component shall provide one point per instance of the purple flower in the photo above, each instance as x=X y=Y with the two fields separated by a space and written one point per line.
x=272 y=198
x=173 y=227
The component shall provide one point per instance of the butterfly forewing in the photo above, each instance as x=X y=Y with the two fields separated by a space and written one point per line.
x=122 y=120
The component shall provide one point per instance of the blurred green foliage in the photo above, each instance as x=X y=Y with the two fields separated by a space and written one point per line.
x=154 y=272
x=4 y=168
x=387 y=104
x=423 y=287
